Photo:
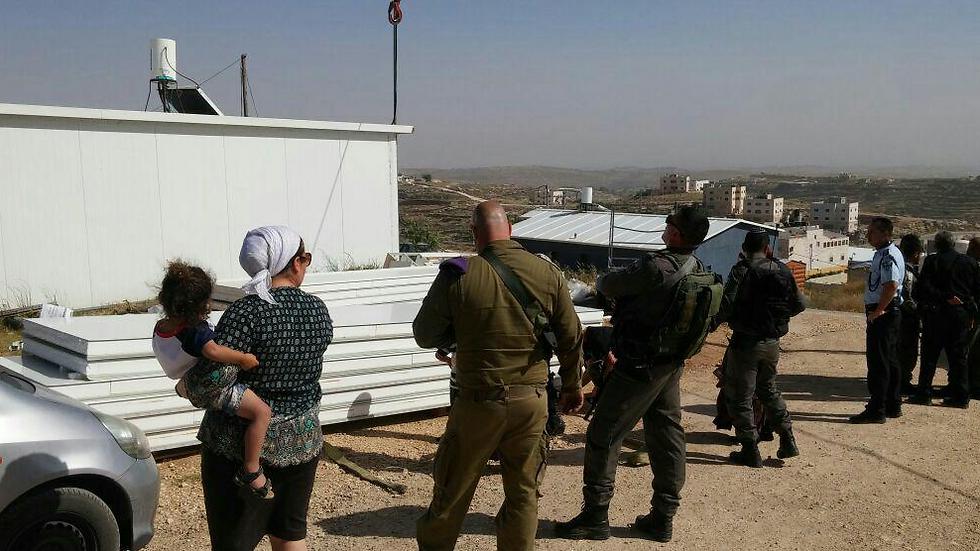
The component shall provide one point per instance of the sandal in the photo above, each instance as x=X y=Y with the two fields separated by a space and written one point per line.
x=244 y=480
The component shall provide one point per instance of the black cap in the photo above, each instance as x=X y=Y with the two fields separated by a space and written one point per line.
x=691 y=223
x=755 y=240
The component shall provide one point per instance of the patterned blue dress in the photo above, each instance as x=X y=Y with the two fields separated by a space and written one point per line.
x=289 y=340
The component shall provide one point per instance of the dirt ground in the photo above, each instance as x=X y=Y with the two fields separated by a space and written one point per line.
x=913 y=483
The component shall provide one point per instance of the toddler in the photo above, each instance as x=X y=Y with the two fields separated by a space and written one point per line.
x=182 y=338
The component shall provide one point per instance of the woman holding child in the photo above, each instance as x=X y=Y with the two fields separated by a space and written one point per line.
x=287 y=330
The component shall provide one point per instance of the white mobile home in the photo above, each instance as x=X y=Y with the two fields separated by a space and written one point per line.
x=95 y=201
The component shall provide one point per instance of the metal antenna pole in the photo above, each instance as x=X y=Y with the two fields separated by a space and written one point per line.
x=244 y=87
x=612 y=228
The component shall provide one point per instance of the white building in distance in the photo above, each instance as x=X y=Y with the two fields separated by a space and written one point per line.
x=823 y=252
x=836 y=214
x=764 y=209
x=680 y=183
x=724 y=200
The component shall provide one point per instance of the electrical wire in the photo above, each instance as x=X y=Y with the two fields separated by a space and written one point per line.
x=248 y=86
x=230 y=65
x=636 y=230
x=149 y=92
x=167 y=59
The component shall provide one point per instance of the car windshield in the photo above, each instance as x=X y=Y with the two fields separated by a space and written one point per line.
x=16 y=382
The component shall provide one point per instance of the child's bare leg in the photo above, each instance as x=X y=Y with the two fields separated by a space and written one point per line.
x=259 y=413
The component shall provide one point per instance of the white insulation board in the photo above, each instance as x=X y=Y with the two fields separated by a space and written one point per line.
x=372 y=369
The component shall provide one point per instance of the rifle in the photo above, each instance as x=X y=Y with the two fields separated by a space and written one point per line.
x=596 y=345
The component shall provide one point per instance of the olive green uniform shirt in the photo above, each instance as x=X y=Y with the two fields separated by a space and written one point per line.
x=495 y=341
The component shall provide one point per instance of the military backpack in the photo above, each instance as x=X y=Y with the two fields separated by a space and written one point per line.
x=695 y=298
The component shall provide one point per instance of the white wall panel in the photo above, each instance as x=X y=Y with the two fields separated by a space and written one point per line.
x=41 y=186
x=96 y=201
x=315 y=195
x=367 y=189
x=194 y=201
x=255 y=169
x=122 y=207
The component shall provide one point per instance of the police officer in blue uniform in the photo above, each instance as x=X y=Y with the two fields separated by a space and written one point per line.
x=882 y=302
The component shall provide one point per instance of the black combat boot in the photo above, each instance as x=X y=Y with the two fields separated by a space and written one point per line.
x=656 y=526
x=555 y=425
x=867 y=417
x=956 y=403
x=787 y=445
x=591 y=524
x=921 y=398
x=749 y=455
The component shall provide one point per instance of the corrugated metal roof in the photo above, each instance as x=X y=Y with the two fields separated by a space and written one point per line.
x=636 y=231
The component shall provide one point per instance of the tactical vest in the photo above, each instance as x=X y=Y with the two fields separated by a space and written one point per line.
x=762 y=306
x=692 y=297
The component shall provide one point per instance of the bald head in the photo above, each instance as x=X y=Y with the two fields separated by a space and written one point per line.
x=973 y=249
x=489 y=223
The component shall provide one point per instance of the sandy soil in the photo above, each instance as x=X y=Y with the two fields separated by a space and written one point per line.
x=912 y=484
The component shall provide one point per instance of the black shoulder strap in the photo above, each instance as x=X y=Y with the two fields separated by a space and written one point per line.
x=681 y=272
x=532 y=308
x=510 y=280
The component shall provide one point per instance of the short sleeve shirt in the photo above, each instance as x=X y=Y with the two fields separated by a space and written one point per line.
x=179 y=350
x=888 y=265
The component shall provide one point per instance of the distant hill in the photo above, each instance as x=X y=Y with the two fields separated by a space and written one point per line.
x=644 y=178
x=533 y=176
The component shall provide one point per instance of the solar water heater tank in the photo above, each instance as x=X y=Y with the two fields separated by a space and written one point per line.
x=163 y=59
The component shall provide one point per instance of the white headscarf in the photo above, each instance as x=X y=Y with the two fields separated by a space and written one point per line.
x=266 y=251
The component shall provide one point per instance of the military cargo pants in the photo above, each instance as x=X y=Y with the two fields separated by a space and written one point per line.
x=751 y=370
x=652 y=394
x=509 y=420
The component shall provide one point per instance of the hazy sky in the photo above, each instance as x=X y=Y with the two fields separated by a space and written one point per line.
x=565 y=83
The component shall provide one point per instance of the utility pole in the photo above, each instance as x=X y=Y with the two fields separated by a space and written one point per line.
x=612 y=229
x=244 y=88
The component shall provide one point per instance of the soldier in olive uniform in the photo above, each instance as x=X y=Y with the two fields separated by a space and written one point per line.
x=760 y=297
x=637 y=389
x=501 y=372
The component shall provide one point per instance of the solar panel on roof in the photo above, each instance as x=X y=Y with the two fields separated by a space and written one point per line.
x=189 y=100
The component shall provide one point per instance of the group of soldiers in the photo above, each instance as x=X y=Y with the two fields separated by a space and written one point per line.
x=933 y=309
x=499 y=317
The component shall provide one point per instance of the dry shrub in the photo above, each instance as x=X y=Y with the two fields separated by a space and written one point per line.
x=848 y=297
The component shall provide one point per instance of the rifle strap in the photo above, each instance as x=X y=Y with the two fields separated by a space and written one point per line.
x=511 y=281
x=531 y=307
x=681 y=272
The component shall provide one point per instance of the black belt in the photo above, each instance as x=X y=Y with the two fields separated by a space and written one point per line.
x=892 y=307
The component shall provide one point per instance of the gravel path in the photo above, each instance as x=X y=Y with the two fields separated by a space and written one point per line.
x=912 y=484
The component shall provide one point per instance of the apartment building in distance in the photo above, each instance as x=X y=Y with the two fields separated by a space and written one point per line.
x=680 y=183
x=836 y=214
x=764 y=209
x=724 y=200
x=823 y=252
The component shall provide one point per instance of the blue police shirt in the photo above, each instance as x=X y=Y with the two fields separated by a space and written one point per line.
x=887 y=265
